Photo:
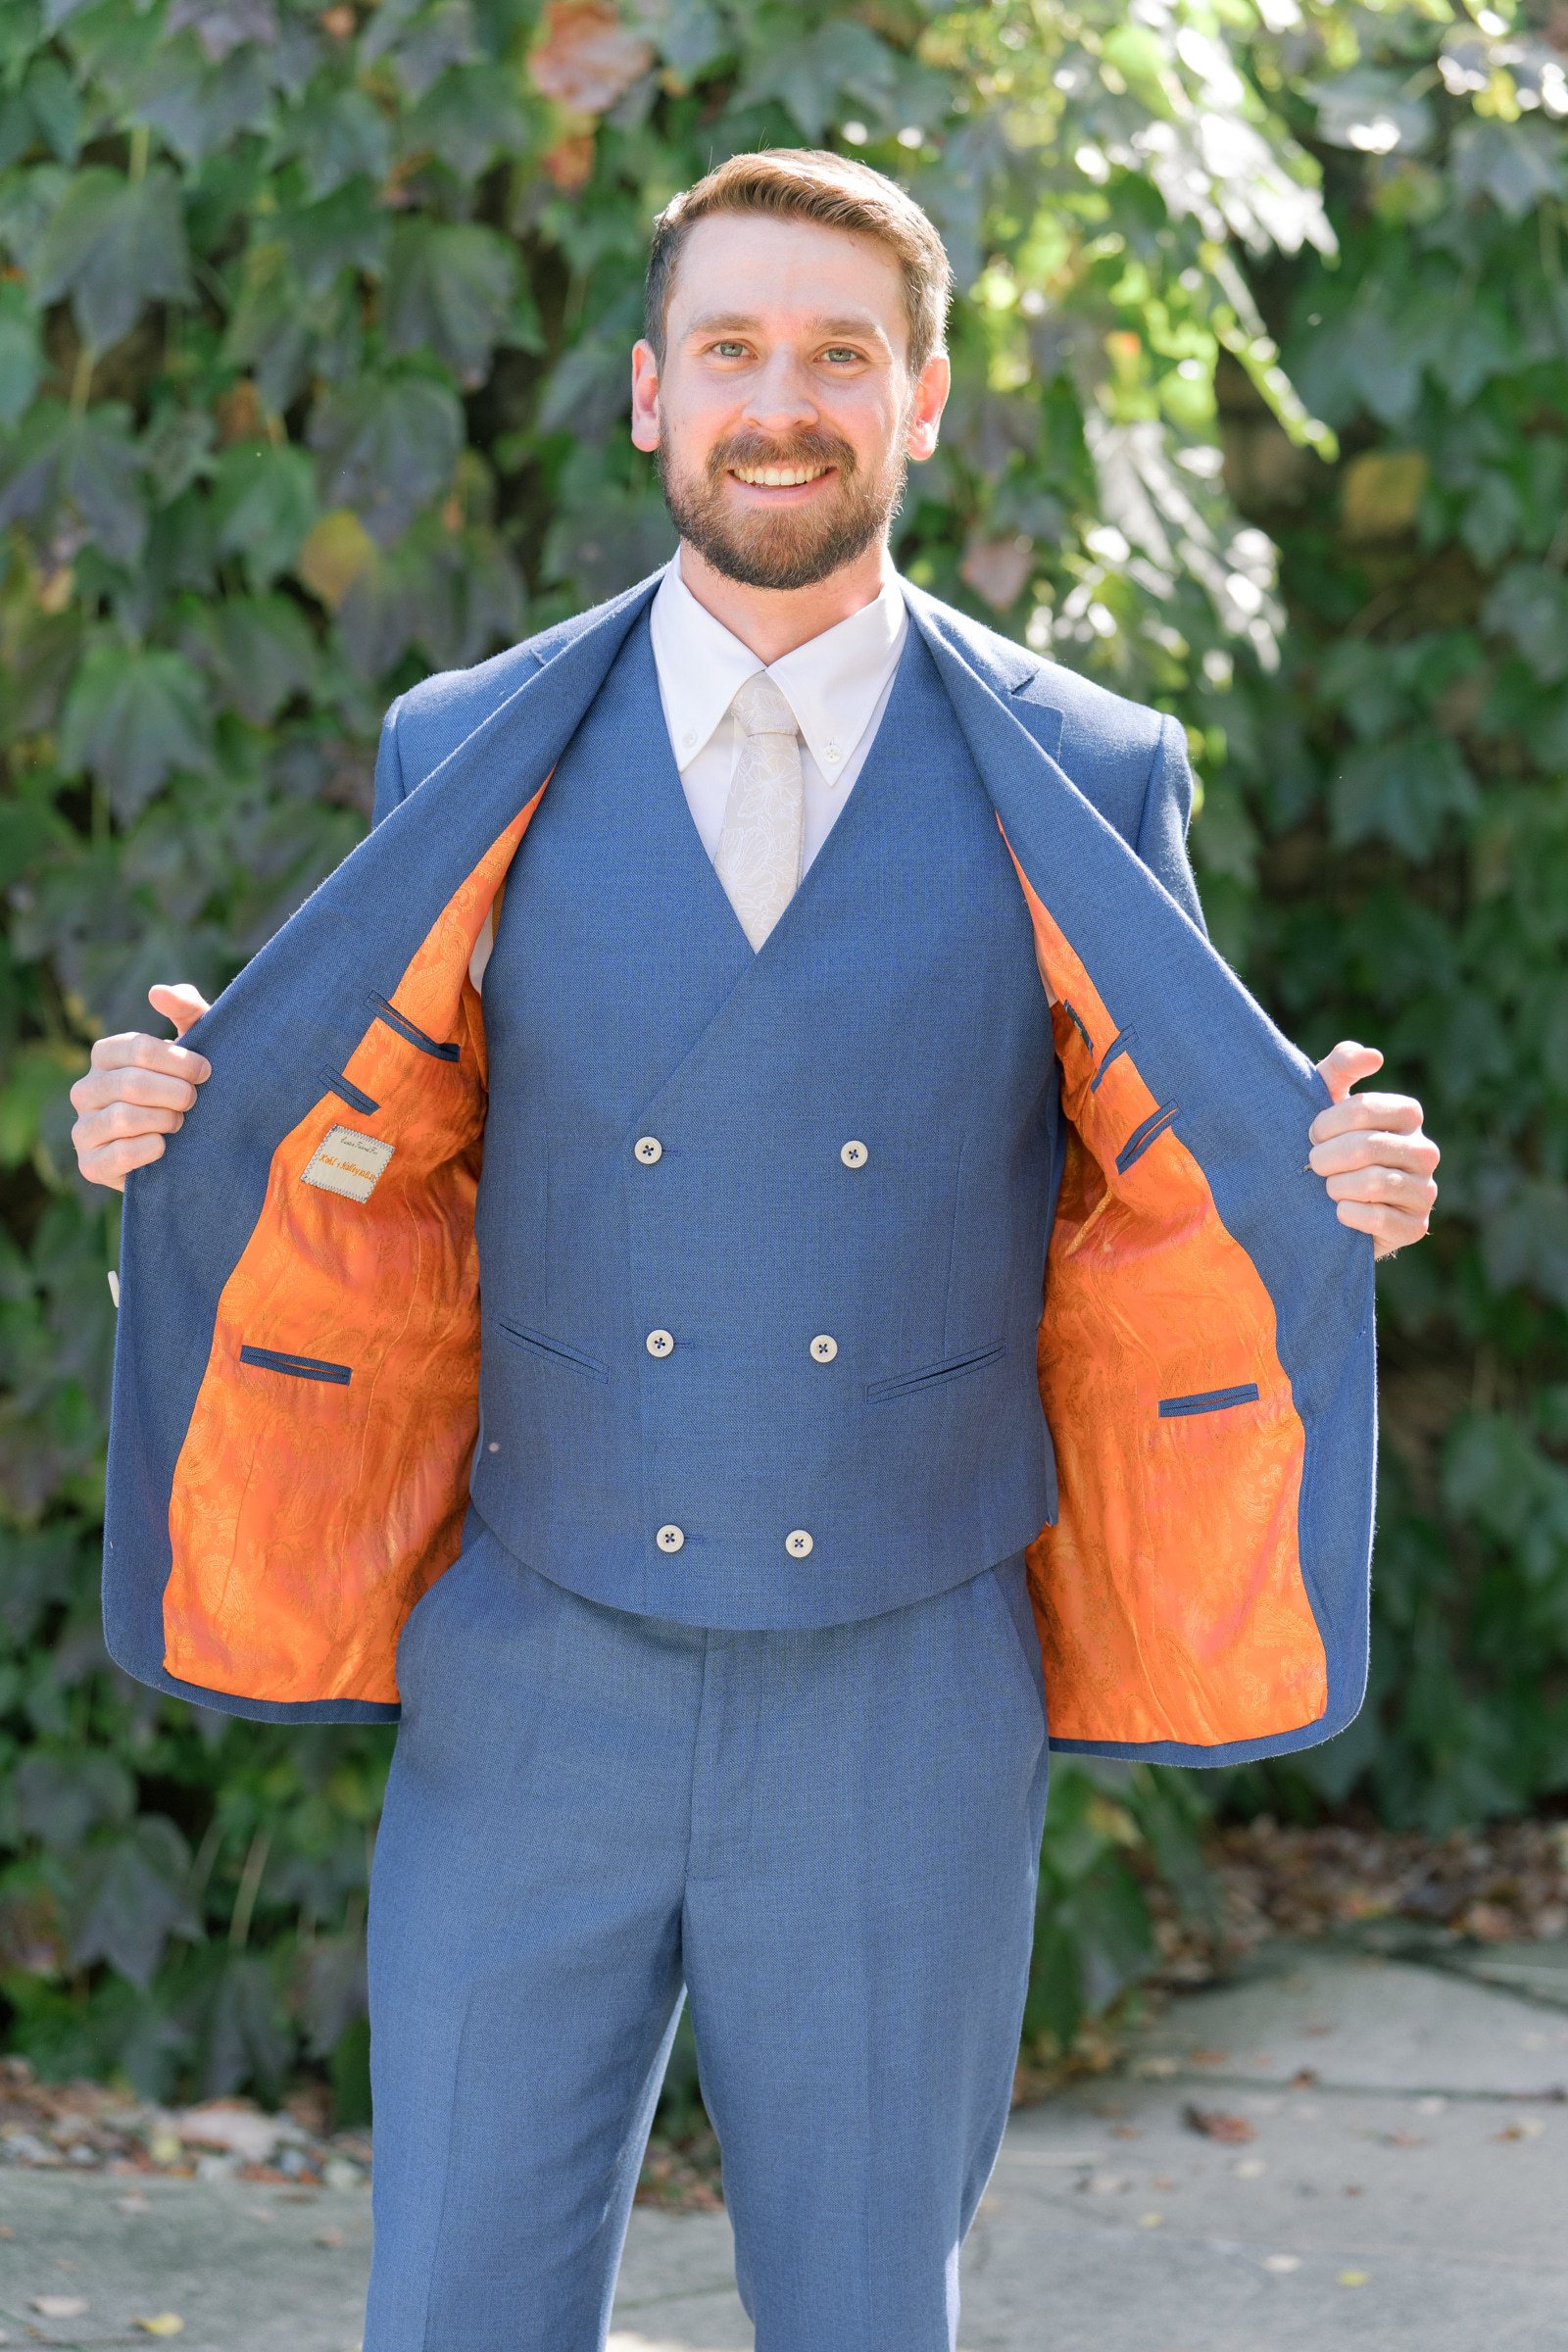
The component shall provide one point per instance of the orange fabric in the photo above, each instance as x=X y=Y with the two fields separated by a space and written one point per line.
x=1168 y=1595
x=307 y=1516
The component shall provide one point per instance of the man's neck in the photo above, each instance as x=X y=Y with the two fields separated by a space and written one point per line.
x=771 y=623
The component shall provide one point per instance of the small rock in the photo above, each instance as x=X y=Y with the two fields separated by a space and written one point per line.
x=338 y=2172
x=1282 y=2262
x=61 y=2307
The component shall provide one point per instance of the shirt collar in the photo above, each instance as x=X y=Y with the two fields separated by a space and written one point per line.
x=832 y=683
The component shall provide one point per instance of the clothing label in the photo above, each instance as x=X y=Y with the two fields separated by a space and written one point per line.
x=347 y=1162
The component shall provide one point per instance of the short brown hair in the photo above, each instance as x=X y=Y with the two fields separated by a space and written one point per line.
x=811 y=184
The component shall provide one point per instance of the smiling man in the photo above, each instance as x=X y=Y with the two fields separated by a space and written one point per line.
x=926 y=1319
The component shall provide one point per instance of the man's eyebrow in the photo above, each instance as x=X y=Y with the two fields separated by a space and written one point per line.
x=860 y=325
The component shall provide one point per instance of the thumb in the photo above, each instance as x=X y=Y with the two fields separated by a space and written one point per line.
x=1345 y=1064
x=179 y=1003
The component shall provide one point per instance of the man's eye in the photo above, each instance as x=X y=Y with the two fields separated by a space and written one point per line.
x=729 y=350
x=840 y=351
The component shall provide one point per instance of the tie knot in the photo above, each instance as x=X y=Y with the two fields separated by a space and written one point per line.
x=763 y=709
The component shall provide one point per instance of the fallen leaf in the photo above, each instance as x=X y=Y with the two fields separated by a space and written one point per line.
x=163 y=2322
x=61 y=2307
x=1250 y=2168
x=1151 y=2220
x=1354 y=2278
x=329 y=2237
x=1215 y=2124
x=1282 y=2263
x=1524 y=2126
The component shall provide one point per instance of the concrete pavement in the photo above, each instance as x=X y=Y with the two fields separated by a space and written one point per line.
x=1342 y=2152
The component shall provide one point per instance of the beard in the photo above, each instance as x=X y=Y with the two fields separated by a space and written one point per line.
x=798 y=546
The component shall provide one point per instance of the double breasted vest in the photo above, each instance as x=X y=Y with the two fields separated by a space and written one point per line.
x=762 y=1234
x=296 y=1400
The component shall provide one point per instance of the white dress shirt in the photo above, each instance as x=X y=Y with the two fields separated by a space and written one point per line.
x=837 y=685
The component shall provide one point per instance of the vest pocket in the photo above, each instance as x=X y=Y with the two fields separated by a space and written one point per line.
x=1208 y=1401
x=552 y=1351
x=405 y=1028
x=930 y=1376
x=302 y=1367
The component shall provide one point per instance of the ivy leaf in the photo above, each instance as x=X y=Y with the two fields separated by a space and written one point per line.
x=1401 y=789
x=224 y=25
x=20 y=352
x=468 y=119
x=1517 y=164
x=113 y=246
x=132 y=1896
x=200 y=109
x=260 y=651
x=264 y=503
x=339 y=135
x=813 y=76
x=245 y=2039
x=1529 y=606
x=268 y=329
x=388 y=446
x=134 y=718
x=451 y=290
x=62 y=1795
x=78 y=476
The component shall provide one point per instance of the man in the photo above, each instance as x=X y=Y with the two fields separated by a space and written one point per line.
x=803 y=958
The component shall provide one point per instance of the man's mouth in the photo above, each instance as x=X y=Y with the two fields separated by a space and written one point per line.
x=778 y=477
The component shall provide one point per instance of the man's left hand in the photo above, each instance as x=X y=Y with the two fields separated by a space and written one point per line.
x=1373 y=1152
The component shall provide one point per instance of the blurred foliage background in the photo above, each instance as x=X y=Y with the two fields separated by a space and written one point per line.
x=314 y=333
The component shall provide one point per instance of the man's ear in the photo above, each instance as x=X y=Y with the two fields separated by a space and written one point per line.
x=931 y=388
x=643 y=396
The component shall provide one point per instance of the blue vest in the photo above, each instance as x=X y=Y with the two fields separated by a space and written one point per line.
x=762 y=1234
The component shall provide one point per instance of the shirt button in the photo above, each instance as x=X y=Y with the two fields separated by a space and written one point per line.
x=670 y=1538
x=659 y=1342
x=797 y=1542
x=832 y=751
x=824 y=1347
x=648 y=1149
x=854 y=1154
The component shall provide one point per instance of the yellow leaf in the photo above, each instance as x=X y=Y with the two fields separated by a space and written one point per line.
x=335 y=552
x=1381 y=491
x=1354 y=2278
x=165 y=2323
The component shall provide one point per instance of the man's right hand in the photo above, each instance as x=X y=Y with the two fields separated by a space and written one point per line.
x=138 y=1090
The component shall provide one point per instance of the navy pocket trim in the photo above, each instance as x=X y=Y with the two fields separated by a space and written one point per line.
x=1210 y=1400
x=302 y=1367
x=1142 y=1136
x=1119 y=1045
x=416 y=1037
x=1076 y=1019
x=930 y=1376
x=347 y=1092
x=553 y=1351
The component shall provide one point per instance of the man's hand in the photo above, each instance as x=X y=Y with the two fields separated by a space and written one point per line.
x=138 y=1090
x=1373 y=1152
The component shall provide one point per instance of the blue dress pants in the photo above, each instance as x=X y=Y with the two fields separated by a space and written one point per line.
x=828 y=1839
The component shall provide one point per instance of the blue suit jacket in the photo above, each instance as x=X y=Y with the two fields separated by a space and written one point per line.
x=295 y=1384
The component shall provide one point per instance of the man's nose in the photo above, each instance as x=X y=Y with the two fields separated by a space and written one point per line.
x=780 y=398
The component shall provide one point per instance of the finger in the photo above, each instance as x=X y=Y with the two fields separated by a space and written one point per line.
x=96 y=1089
x=1344 y=1063
x=1368 y=1148
x=114 y=1163
x=1390 y=1228
x=133 y=1049
x=120 y=1123
x=1401 y=1113
x=179 y=1001
x=1412 y=1194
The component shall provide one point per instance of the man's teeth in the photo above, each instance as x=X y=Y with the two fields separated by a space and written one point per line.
x=777 y=478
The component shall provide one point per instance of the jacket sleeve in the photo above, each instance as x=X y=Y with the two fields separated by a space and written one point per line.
x=389 y=784
x=1162 y=841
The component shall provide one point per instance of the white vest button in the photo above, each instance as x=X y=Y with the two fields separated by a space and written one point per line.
x=670 y=1538
x=797 y=1542
x=824 y=1347
x=648 y=1149
x=854 y=1154
x=659 y=1342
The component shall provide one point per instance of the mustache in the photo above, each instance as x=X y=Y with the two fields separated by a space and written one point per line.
x=807 y=448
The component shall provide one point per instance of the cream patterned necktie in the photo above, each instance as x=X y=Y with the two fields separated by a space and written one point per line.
x=758 y=853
